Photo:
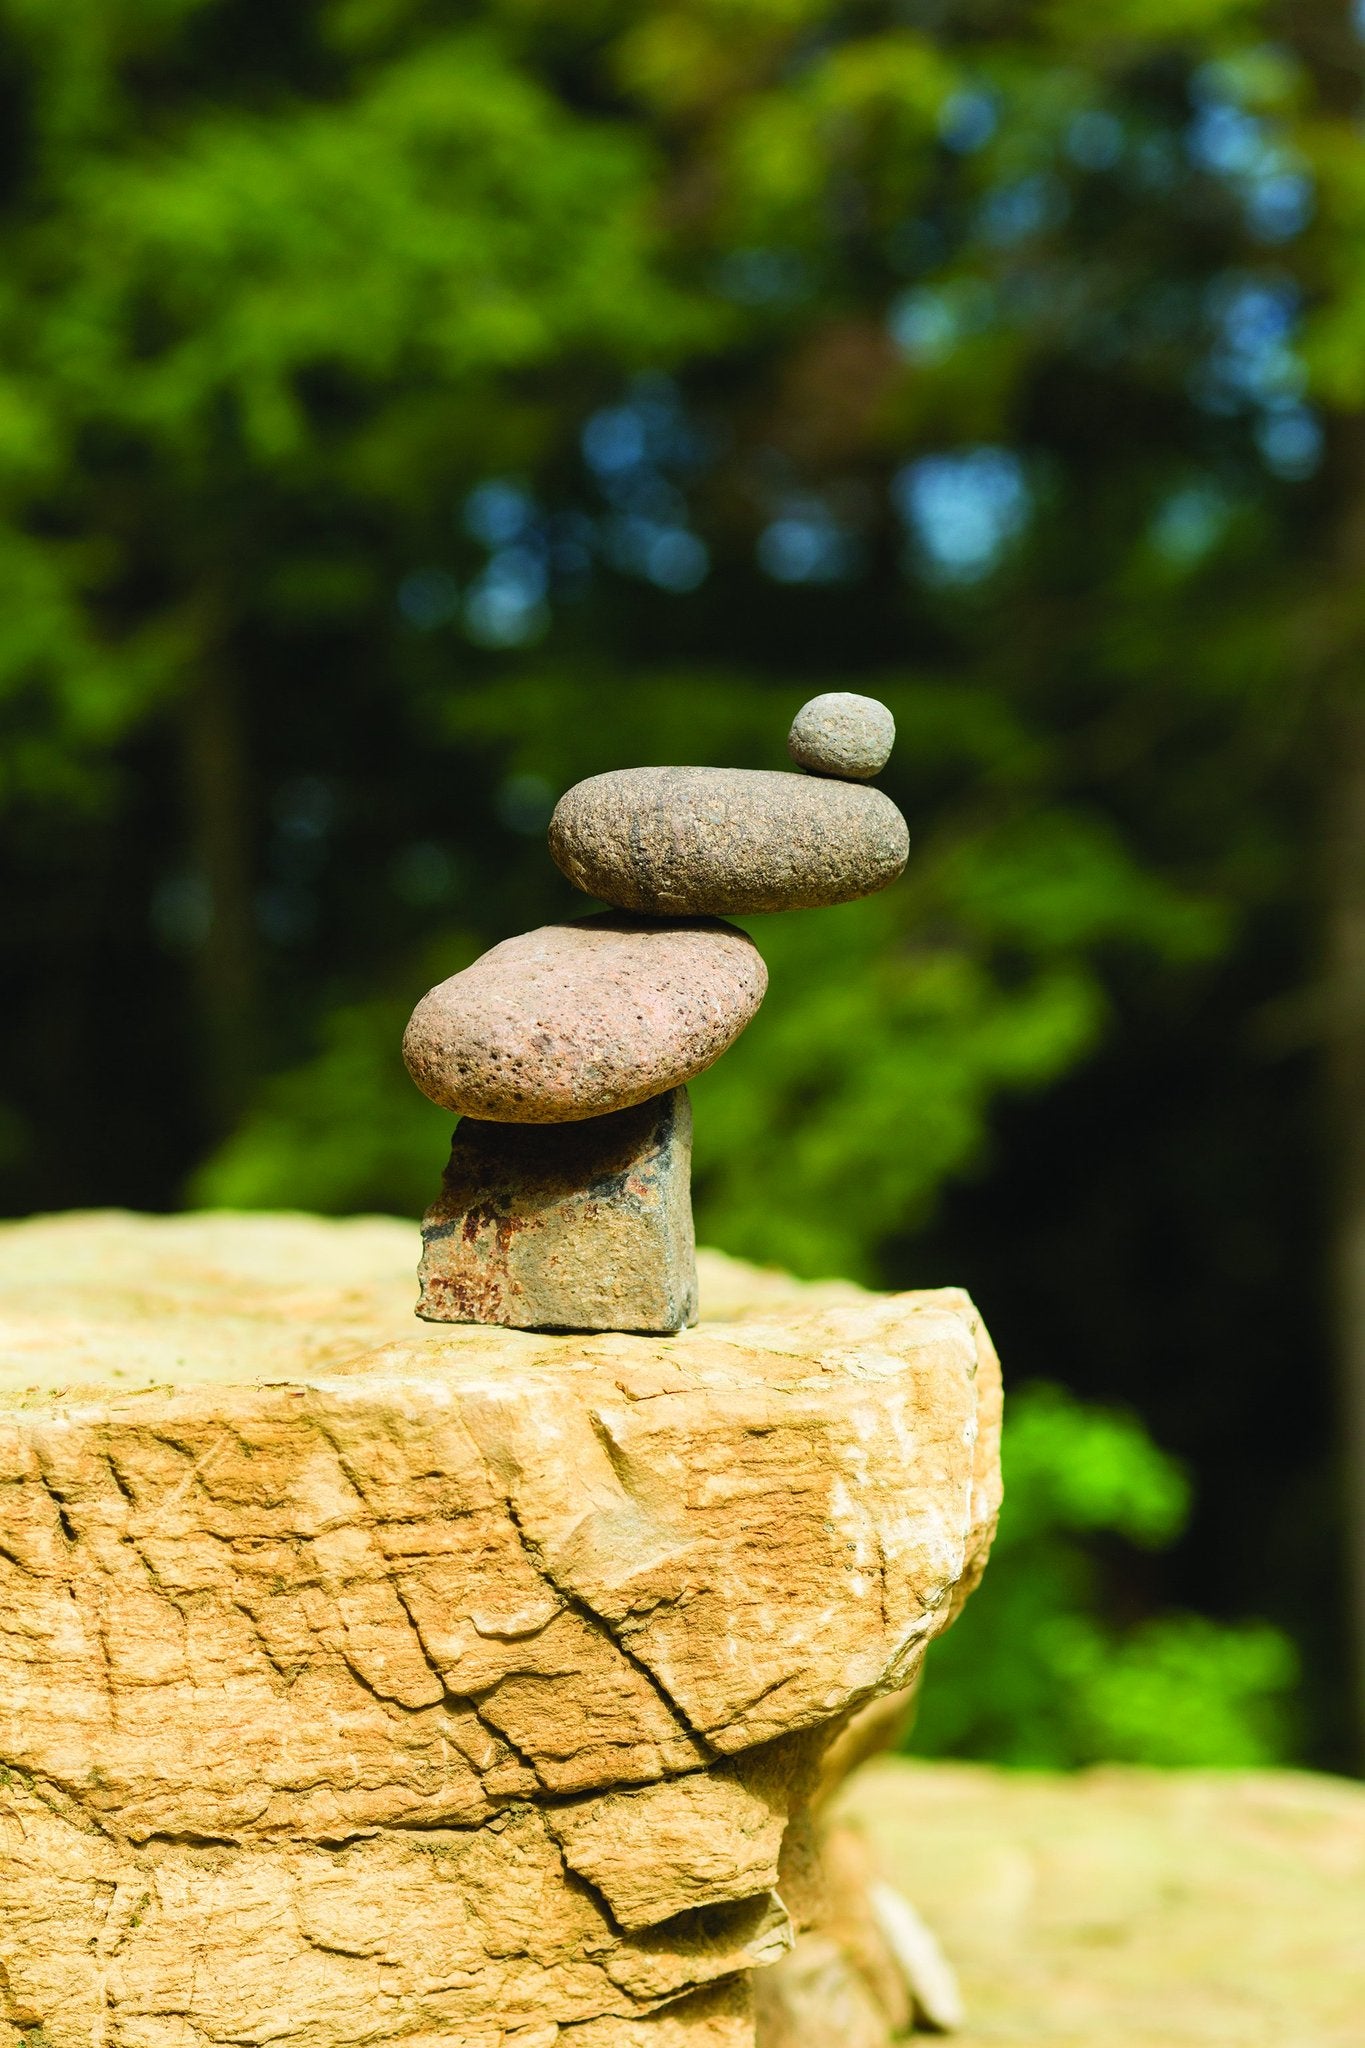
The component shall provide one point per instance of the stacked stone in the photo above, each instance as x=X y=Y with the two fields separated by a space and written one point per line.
x=566 y=1052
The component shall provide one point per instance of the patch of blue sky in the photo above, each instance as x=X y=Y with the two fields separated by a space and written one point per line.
x=668 y=555
x=505 y=605
x=613 y=440
x=498 y=511
x=677 y=559
x=1024 y=207
x=1095 y=139
x=1272 y=182
x=805 y=543
x=963 y=510
x=1289 y=439
x=648 y=427
x=1251 y=360
x=968 y=119
x=1189 y=524
x=927 y=322
x=1280 y=204
x=1225 y=139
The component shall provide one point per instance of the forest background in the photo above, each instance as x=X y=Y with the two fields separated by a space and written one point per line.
x=407 y=409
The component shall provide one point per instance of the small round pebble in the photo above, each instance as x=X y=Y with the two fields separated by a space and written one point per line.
x=842 y=734
x=577 y=1020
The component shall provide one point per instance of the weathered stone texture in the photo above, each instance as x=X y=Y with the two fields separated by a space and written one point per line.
x=719 y=842
x=583 y=1226
x=842 y=734
x=583 y=1018
x=458 y=1690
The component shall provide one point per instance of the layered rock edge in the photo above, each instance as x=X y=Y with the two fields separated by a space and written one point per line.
x=360 y=1684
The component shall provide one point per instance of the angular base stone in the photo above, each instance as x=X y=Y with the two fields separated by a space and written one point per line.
x=580 y=1226
x=465 y=1686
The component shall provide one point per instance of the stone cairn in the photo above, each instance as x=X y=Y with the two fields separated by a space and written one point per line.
x=566 y=1052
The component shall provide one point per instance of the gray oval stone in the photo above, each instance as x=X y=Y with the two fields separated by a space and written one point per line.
x=580 y=1019
x=688 y=842
x=842 y=734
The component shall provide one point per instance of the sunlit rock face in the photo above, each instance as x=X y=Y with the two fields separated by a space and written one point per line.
x=449 y=1684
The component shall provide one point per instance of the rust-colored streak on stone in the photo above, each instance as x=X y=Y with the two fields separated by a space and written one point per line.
x=581 y=1226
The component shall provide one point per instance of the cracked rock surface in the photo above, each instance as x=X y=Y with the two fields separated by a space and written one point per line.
x=362 y=1682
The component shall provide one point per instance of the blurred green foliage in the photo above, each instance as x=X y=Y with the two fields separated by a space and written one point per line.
x=866 y=1079
x=406 y=409
x=1040 y=1670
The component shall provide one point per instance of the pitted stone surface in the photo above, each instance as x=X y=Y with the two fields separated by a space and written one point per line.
x=690 y=842
x=576 y=1020
x=842 y=734
x=323 y=1640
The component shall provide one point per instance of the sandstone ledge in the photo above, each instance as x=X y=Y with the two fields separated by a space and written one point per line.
x=366 y=1683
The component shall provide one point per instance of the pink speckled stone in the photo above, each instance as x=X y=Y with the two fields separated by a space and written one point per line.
x=577 y=1020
